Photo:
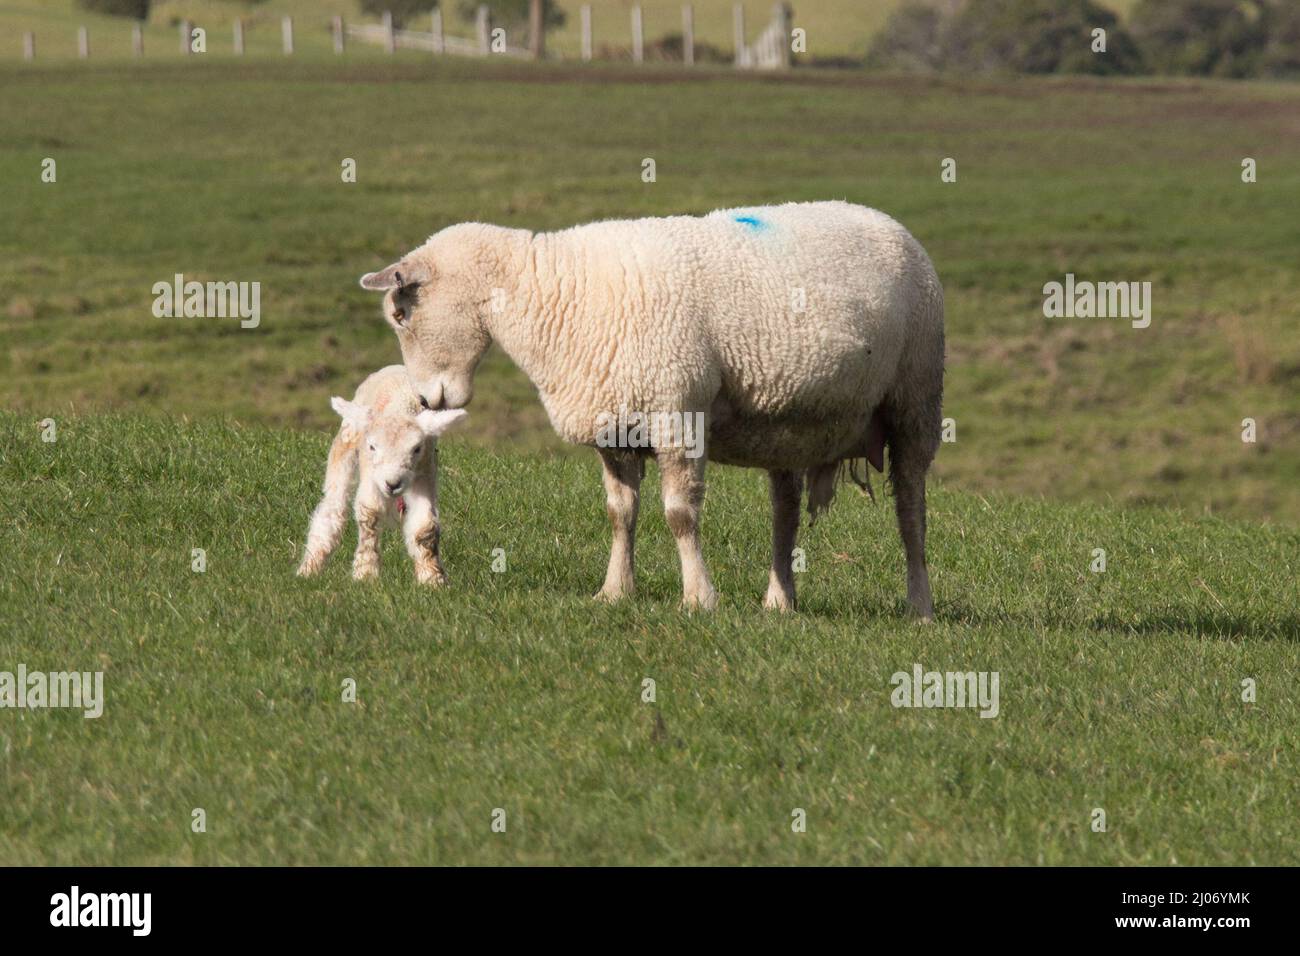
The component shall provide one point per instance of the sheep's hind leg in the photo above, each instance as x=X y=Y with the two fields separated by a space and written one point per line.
x=420 y=528
x=787 y=490
x=909 y=458
x=682 y=479
x=365 y=563
x=622 y=473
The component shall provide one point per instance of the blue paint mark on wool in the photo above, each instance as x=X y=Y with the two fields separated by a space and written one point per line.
x=757 y=225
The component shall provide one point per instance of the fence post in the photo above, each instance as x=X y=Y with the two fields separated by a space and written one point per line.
x=336 y=28
x=688 y=35
x=536 y=29
x=137 y=38
x=781 y=13
x=83 y=42
x=186 y=29
x=483 y=25
x=286 y=34
x=738 y=32
x=29 y=46
x=239 y=36
x=439 y=41
x=390 y=38
x=638 y=39
x=586 y=31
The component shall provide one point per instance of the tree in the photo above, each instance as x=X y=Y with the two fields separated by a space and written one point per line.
x=1038 y=36
x=135 y=9
x=513 y=14
x=1202 y=37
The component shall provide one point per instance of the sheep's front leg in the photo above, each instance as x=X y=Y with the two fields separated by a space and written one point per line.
x=787 y=490
x=421 y=530
x=622 y=473
x=683 y=490
x=369 y=514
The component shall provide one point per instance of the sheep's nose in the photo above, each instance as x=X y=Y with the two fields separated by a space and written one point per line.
x=425 y=403
x=393 y=486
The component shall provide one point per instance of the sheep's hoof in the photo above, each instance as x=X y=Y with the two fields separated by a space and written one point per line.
x=365 y=574
x=700 y=602
x=433 y=580
x=778 y=603
x=612 y=595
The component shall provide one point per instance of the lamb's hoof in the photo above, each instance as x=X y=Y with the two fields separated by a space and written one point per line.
x=434 y=580
x=608 y=595
x=305 y=572
x=365 y=574
x=921 y=615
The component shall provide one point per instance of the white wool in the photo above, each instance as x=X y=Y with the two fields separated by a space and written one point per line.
x=386 y=447
x=787 y=327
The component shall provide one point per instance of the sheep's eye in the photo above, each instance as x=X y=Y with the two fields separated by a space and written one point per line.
x=372 y=446
x=424 y=403
x=415 y=450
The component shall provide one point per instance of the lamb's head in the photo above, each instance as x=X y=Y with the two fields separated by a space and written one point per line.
x=399 y=447
x=439 y=299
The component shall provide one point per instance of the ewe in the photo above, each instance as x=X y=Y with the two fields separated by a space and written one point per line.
x=394 y=442
x=806 y=335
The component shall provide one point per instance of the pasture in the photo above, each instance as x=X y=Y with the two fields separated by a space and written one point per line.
x=1120 y=690
x=513 y=690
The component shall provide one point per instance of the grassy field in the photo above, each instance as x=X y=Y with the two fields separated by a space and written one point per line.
x=225 y=171
x=514 y=690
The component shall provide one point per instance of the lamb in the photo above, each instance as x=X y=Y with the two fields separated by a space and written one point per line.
x=804 y=336
x=391 y=441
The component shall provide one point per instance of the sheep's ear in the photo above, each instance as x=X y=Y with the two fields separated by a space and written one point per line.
x=400 y=273
x=355 y=416
x=434 y=423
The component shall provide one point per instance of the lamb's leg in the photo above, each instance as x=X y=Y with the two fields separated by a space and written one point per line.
x=682 y=479
x=420 y=528
x=623 y=472
x=369 y=514
x=909 y=458
x=327 y=520
x=787 y=490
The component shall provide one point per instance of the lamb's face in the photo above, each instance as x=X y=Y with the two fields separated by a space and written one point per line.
x=399 y=449
x=437 y=299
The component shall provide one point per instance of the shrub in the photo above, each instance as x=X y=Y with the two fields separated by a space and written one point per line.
x=1203 y=37
x=1038 y=36
x=1025 y=36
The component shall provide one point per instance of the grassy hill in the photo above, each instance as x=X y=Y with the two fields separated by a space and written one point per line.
x=231 y=171
x=1120 y=691
x=833 y=27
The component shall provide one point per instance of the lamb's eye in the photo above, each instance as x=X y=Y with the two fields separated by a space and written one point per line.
x=372 y=446
x=416 y=450
x=424 y=403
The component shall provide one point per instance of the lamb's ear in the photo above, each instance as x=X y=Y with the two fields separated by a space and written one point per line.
x=400 y=273
x=434 y=423
x=357 y=417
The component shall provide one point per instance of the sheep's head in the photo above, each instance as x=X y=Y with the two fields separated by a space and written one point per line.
x=439 y=298
x=399 y=447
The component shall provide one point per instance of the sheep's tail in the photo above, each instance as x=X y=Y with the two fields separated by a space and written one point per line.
x=330 y=516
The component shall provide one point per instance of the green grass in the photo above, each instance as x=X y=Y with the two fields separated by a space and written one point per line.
x=227 y=170
x=515 y=690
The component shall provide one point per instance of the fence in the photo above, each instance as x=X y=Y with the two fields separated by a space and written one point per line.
x=771 y=50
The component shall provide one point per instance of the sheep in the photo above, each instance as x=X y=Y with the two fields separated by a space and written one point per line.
x=805 y=336
x=391 y=441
